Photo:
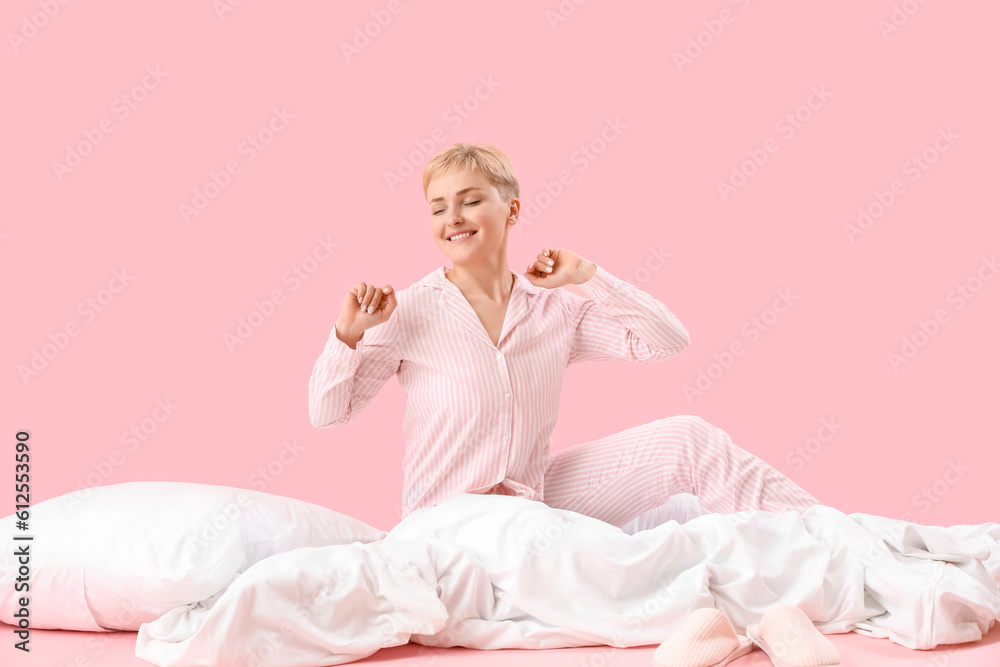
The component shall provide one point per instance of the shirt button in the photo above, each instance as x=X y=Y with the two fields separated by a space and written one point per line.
x=499 y=355
x=506 y=394
x=506 y=437
x=500 y=477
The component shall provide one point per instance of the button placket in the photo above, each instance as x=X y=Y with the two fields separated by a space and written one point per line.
x=505 y=412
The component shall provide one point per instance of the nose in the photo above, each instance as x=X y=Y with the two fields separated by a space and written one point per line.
x=454 y=225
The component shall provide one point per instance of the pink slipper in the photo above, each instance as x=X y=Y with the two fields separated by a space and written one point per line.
x=707 y=639
x=790 y=639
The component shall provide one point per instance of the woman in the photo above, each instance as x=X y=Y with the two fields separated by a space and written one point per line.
x=481 y=351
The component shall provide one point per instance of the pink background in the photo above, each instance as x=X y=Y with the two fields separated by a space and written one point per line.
x=412 y=89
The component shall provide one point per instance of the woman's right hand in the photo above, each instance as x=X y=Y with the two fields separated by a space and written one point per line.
x=354 y=316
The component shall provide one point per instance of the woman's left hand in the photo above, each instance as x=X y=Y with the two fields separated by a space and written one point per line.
x=565 y=267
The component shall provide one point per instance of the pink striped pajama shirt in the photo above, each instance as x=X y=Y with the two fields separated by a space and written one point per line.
x=479 y=416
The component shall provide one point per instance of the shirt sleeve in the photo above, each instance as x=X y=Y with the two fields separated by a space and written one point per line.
x=620 y=322
x=344 y=381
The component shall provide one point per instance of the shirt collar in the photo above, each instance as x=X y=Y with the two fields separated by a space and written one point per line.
x=458 y=306
x=437 y=279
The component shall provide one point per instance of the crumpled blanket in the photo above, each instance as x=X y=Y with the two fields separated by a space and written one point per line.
x=493 y=571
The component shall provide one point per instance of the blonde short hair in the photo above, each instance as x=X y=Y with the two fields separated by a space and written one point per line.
x=488 y=160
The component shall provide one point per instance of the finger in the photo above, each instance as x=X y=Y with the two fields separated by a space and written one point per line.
x=376 y=299
x=367 y=298
x=360 y=289
x=544 y=264
x=390 y=295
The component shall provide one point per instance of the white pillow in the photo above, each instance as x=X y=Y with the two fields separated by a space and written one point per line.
x=116 y=556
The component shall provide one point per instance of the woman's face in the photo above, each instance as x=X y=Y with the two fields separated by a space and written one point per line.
x=465 y=200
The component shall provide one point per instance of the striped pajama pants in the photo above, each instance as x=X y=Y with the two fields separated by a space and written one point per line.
x=673 y=468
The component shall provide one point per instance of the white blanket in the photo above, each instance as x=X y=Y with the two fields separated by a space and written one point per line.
x=492 y=571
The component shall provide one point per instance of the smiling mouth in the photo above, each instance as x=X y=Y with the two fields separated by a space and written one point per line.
x=462 y=236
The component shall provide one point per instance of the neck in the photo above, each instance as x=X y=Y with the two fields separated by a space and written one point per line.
x=488 y=282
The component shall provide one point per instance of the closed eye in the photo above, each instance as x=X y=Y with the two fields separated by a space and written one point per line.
x=441 y=210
